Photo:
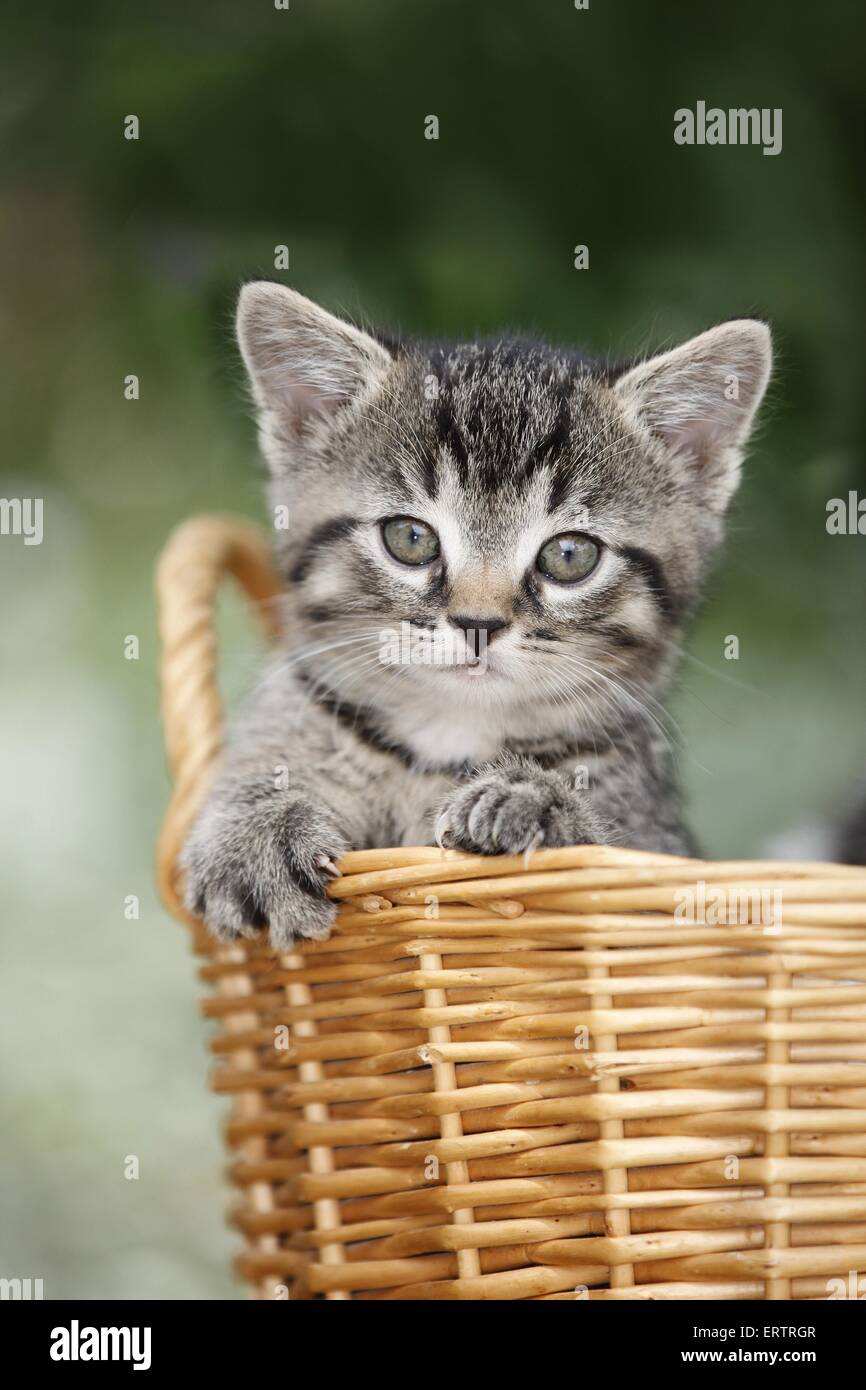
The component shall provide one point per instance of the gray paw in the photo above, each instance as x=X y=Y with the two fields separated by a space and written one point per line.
x=516 y=808
x=262 y=867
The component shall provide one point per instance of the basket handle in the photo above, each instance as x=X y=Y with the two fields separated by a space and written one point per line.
x=191 y=569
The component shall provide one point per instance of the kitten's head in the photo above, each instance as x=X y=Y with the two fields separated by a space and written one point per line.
x=502 y=523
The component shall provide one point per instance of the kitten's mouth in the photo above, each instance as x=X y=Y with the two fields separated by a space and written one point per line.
x=470 y=670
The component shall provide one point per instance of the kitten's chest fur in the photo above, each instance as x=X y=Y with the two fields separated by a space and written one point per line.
x=451 y=733
x=444 y=734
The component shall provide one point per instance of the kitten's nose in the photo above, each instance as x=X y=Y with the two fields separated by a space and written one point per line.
x=478 y=631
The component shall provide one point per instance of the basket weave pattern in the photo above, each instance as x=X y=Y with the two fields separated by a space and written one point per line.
x=550 y=1080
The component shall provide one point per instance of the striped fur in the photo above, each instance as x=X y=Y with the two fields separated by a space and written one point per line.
x=557 y=736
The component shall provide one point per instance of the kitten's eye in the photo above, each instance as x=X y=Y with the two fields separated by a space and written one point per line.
x=569 y=557
x=409 y=541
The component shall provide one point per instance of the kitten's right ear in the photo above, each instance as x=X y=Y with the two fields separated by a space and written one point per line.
x=302 y=361
x=700 y=401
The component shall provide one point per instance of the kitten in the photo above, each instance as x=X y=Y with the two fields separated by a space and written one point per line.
x=491 y=554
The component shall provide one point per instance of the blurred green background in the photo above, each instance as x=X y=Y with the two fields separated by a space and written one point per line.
x=258 y=128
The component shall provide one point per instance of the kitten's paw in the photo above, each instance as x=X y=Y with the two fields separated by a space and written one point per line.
x=513 y=810
x=263 y=872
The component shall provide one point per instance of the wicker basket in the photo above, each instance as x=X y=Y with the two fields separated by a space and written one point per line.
x=499 y=1081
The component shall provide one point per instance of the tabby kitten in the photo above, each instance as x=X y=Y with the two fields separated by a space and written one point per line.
x=491 y=554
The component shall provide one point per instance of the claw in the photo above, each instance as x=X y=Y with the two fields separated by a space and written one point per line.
x=443 y=828
x=537 y=839
x=327 y=866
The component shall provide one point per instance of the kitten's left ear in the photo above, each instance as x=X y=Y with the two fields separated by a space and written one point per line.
x=701 y=398
x=302 y=361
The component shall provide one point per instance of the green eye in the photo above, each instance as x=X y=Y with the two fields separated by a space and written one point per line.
x=409 y=541
x=569 y=557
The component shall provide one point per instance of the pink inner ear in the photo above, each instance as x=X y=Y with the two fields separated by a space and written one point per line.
x=696 y=435
x=303 y=362
x=699 y=399
x=304 y=400
x=297 y=400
